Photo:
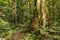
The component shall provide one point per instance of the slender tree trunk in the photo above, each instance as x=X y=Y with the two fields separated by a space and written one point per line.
x=36 y=14
x=45 y=12
x=30 y=8
x=14 y=15
x=45 y=17
x=39 y=11
x=38 y=6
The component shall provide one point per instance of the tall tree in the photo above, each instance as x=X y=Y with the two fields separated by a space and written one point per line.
x=45 y=17
x=14 y=15
x=45 y=13
x=30 y=7
x=36 y=15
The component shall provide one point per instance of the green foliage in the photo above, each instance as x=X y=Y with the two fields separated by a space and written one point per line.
x=24 y=12
x=4 y=28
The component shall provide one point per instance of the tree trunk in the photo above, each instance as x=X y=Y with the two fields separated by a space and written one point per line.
x=36 y=15
x=45 y=17
x=14 y=15
x=30 y=8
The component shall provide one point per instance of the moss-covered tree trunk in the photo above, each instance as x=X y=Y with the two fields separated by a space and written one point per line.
x=30 y=8
x=14 y=15
x=36 y=15
x=45 y=13
x=46 y=18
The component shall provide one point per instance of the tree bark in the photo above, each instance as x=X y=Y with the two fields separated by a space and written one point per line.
x=36 y=14
x=14 y=15
x=45 y=17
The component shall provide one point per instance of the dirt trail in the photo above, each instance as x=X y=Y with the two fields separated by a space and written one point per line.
x=18 y=33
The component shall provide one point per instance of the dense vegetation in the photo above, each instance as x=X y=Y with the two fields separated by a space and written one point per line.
x=29 y=19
